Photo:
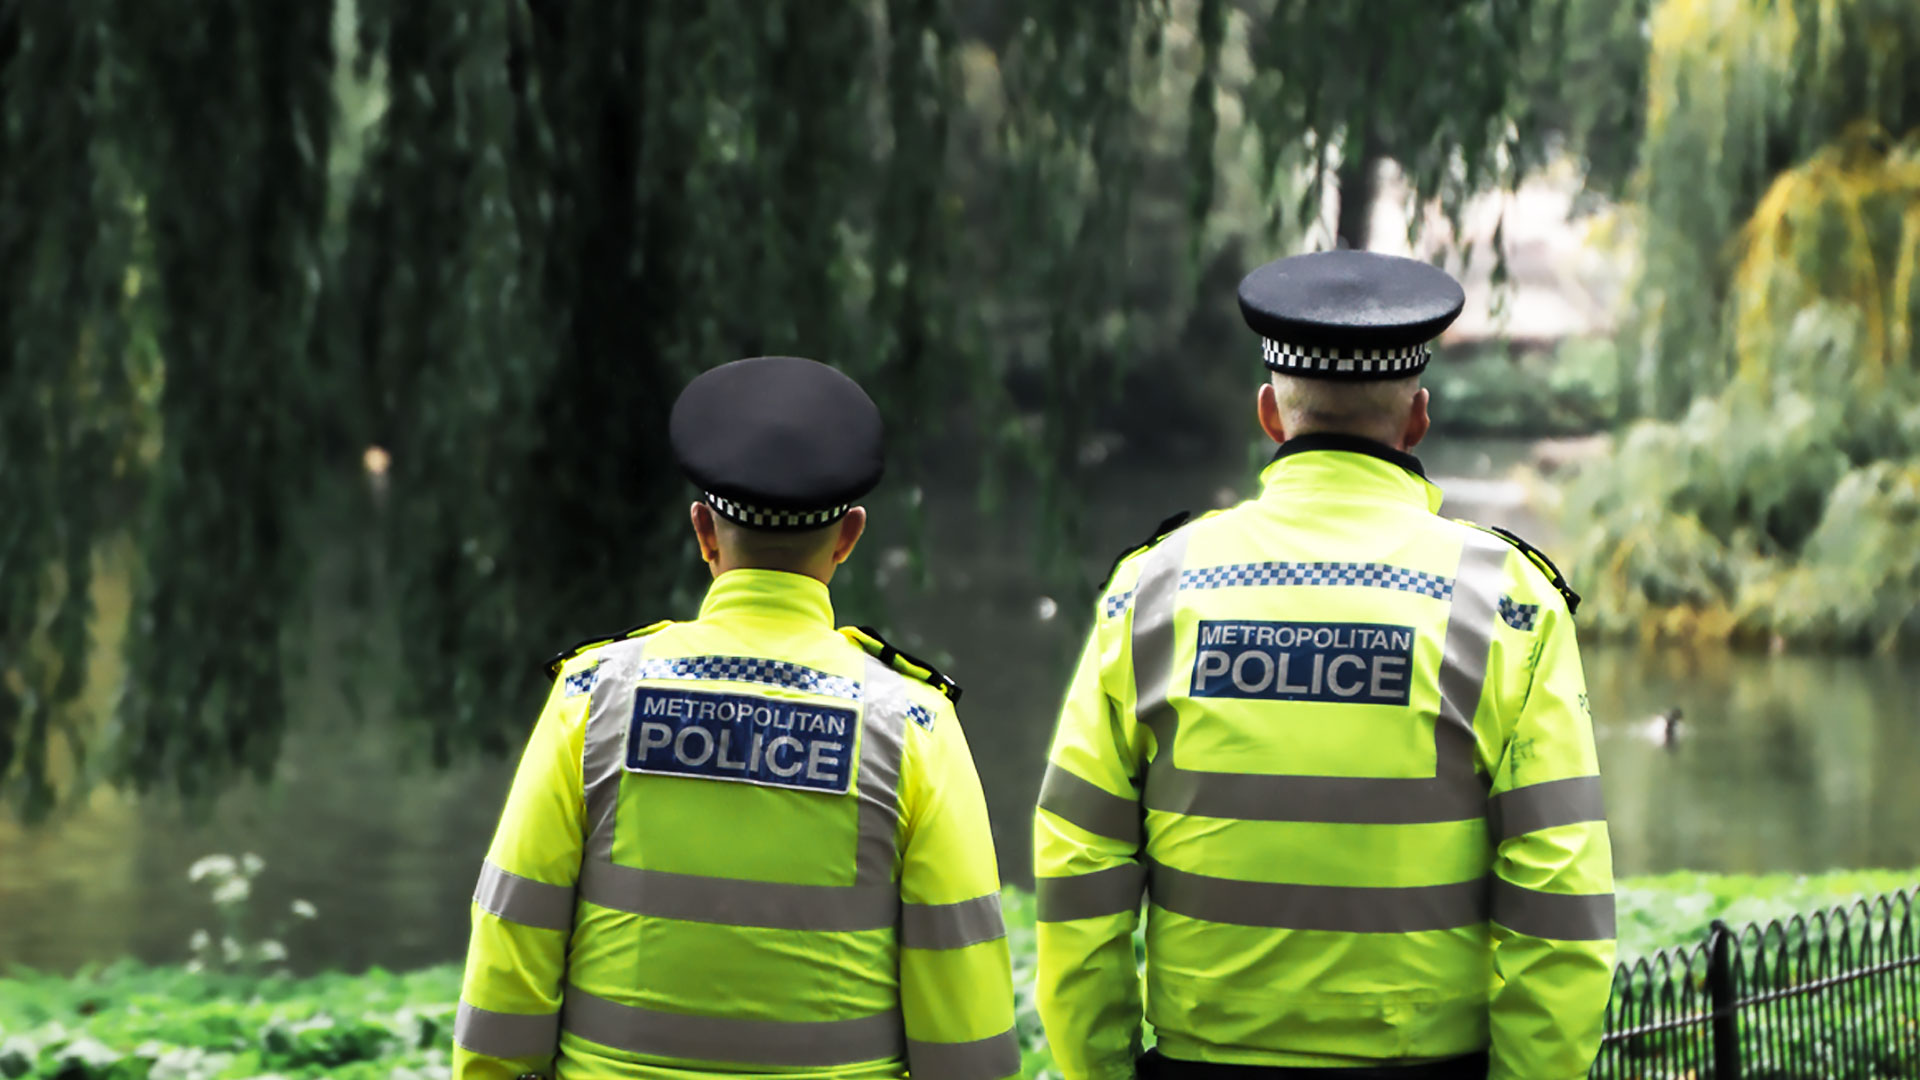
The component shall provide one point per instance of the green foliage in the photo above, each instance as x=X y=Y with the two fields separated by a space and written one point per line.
x=1572 y=390
x=241 y=248
x=1667 y=910
x=1438 y=88
x=129 y=1023
x=1784 y=507
x=1738 y=92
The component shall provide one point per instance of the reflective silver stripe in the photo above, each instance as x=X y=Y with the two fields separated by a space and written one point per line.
x=1555 y=916
x=1463 y=669
x=602 y=757
x=1545 y=805
x=1090 y=806
x=1455 y=791
x=506 y=1035
x=992 y=1058
x=1111 y=891
x=952 y=926
x=1319 y=907
x=882 y=730
x=1154 y=601
x=640 y=1030
x=737 y=902
x=524 y=900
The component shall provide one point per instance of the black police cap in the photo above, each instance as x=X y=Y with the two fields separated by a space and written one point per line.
x=777 y=442
x=1349 y=315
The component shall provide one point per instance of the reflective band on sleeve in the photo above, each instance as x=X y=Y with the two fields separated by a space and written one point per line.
x=1154 y=600
x=882 y=730
x=524 y=900
x=992 y=1058
x=1112 y=891
x=1545 y=805
x=1463 y=668
x=604 y=748
x=1453 y=793
x=738 y=902
x=952 y=926
x=1319 y=907
x=1554 y=916
x=506 y=1035
x=1090 y=806
x=795 y=1044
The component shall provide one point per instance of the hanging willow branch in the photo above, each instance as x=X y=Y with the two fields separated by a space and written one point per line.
x=529 y=224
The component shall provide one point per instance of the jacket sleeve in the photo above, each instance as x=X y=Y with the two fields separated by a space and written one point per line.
x=956 y=981
x=509 y=1017
x=1089 y=877
x=1553 y=913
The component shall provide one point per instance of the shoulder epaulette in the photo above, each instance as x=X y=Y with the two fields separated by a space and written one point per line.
x=906 y=664
x=1539 y=560
x=1159 y=532
x=559 y=660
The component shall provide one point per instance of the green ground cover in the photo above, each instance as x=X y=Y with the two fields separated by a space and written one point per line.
x=128 y=1022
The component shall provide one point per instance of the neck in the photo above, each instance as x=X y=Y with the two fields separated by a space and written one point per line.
x=820 y=570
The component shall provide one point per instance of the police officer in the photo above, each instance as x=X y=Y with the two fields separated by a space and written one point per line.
x=1341 y=742
x=749 y=842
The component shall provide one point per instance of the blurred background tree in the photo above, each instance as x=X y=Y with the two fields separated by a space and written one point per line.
x=426 y=276
x=1780 y=238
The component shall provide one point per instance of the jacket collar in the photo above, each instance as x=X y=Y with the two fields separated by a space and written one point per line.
x=768 y=594
x=1348 y=465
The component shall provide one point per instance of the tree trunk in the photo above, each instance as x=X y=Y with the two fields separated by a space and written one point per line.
x=1359 y=179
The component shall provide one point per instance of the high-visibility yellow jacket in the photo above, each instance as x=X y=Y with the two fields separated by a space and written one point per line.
x=1343 y=745
x=747 y=843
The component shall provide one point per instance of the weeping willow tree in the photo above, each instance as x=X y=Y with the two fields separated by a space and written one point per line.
x=1782 y=284
x=240 y=246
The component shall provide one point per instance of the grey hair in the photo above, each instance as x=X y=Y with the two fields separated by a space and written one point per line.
x=1377 y=409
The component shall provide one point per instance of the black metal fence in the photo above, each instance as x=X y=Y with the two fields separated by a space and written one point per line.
x=1830 y=996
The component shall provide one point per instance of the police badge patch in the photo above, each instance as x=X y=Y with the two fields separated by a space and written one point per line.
x=1341 y=663
x=747 y=740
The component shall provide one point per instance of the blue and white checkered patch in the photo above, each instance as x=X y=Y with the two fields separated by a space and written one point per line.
x=1517 y=615
x=751 y=669
x=1366 y=575
x=921 y=715
x=581 y=682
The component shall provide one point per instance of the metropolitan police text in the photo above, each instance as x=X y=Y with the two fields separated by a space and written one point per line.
x=735 y=737
x=1292 y=661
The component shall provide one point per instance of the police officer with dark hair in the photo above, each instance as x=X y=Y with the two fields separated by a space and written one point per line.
x=748 y=843
x=1341 y=744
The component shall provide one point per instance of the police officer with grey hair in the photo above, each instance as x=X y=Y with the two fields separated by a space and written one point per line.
x=1340 y=746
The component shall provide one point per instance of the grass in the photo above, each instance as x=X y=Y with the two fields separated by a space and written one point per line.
x=128 y=1022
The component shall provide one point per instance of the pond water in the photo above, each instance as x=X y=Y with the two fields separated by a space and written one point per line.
x=1786 y=763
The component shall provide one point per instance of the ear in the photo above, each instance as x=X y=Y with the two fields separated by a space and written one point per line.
x=851 y=528
x=1268 y=406
x=705 y=531
x=1417 y=421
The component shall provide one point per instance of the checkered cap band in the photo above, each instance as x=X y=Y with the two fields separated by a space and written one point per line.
x=1297 y=359
x=752 y=669
x=1363 y=575
x=1517 y=615
x=754 y=517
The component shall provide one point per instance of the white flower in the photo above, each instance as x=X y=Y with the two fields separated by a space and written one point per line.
x=271 y=952
x=304 y=910
x=199 y=941
x=232 y=891
x=217 y=865
x=230 y=950
x=252 y=863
